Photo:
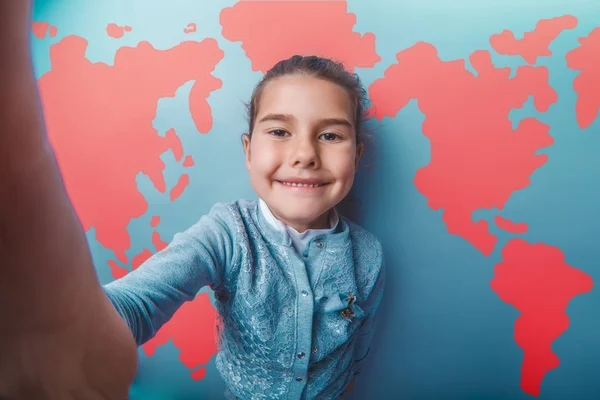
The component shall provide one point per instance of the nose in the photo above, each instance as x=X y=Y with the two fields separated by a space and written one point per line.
x=305 y=153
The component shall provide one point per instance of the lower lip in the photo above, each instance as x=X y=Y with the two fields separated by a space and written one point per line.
x=303 y=189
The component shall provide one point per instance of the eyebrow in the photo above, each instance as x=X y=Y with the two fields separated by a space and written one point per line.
x=277 y=117
x=290 y=118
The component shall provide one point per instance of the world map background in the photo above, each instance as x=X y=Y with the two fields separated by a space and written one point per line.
x=144 y=103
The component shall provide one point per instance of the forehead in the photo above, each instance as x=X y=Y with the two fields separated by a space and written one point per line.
x=306 y=98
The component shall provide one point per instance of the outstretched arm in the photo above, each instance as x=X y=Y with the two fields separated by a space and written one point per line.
x=58 y=329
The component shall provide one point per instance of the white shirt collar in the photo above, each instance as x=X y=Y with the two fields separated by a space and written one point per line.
x=299 y=239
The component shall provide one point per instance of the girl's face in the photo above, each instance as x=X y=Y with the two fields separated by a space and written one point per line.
x=303 y=154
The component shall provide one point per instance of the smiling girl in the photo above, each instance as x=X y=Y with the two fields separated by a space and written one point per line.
x=296 y=284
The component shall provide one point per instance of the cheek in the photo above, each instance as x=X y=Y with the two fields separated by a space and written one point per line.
x=265 y=158
x=342 y=164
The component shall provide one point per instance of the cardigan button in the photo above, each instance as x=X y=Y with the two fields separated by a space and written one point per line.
x=319 y=244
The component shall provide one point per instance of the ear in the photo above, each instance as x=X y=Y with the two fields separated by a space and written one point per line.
x=247 y=150
x=359 y=151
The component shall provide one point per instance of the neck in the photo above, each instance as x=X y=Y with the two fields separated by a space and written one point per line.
x=321 y=222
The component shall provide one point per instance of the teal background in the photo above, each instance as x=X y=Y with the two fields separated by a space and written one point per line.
x=444 y=334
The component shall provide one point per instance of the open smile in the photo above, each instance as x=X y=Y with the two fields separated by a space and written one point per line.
x=303 y=184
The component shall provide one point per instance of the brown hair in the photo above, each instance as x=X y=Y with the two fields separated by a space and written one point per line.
x=318 y=67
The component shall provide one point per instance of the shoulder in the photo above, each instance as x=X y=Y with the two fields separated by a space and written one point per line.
x=237 y=218
x=364 y=241
x=368 y=257
x=233 y=213
x=223 y=233
x=223 y=223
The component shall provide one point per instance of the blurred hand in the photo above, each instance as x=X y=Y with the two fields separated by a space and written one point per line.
x=60 y=338
x=92 y=357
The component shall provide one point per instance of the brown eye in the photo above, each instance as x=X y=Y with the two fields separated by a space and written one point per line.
x=278 y=133
x=329 y=137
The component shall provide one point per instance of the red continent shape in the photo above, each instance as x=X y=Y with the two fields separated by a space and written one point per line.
x=116 y=270
x=177 y=148
x=158 y=243
x=179 y=187
x=39 y=29
x=477 y=159
x=190 y=28
x=535 y=279
x=535 y=43
x=193 y=331
x=99 y=121
x=510 y=226
x=198 y=374
x=115 y=31
x=586 y=58
x=188 y=162
x=274 y=30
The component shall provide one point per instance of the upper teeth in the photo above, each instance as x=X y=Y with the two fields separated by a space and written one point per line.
x=301 y=184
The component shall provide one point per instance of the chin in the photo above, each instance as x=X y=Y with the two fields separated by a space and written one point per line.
x=300 y=214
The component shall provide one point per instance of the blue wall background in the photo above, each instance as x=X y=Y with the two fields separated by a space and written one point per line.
x=444 y=333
